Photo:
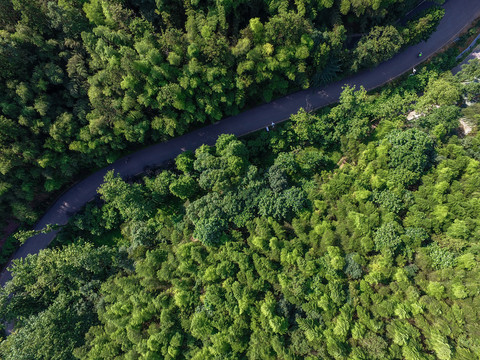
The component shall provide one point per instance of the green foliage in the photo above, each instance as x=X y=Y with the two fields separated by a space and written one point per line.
x=442 y=91
x=129 y=201
x=441 y=258
x=352 y=268
x=184 y=162
x=441 y=121
x=22 y=235
x=379 y=45
x=8 y=248
x=410 y=155
x=284 y=205
x=52 y=296
x=361 y=245
x=184 y=187
x=421 y=28
x=387 y=237
x=85 y=81
x=389 y=201
x=209 y=231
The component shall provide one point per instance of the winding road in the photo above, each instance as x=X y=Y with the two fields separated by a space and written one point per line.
x=458 y=16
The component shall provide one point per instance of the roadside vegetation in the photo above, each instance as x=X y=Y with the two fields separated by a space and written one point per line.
x=350 y=233
x=83 y=82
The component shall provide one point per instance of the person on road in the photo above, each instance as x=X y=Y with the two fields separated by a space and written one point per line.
x=267 y=129
x=420 y=54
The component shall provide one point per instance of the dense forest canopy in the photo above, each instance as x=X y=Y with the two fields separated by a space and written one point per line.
x=351 y=233
x=82 y=82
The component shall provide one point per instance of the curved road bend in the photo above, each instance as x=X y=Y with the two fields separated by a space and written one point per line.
x=458 y=16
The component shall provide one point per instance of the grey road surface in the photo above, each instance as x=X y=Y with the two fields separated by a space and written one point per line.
x=475 y=54
x=458 y=16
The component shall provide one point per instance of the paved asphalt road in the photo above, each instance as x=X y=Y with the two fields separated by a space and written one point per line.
x=475 y=54
x=459 y=15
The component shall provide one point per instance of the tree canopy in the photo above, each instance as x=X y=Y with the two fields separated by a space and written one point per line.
x=359 y=244
x=84 y=81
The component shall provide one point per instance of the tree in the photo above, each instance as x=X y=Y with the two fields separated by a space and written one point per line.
x=52 y=296
x=277 y=178
x=442 y=91
x=52 y=334
x=421 y=28
x=410 y=155
x=184 y=187
x=224 y=256
x=311 y=128
x=184 y=162
x=379 y=45
x=130 y=201
x=209 y=231
x=284 y=205
x=442 y=120
x=440 y=346
x=387 y=238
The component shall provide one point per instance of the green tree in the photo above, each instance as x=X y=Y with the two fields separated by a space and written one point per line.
x=53 y=296
x=442 y=91
x=381 y=43
x=130 y=201
x=388 y=237
x=184 y=187
x=410 y=155
x=210 y=231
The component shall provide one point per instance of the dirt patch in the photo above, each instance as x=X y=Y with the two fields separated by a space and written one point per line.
x=465 y=126
x=341 y=163
x=412 y=115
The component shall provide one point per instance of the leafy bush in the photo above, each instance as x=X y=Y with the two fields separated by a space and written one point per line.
x=425 y=25
x=410 y=155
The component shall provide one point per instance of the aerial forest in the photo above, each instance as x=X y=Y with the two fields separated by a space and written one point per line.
x=85 y=82
x=348 y=233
